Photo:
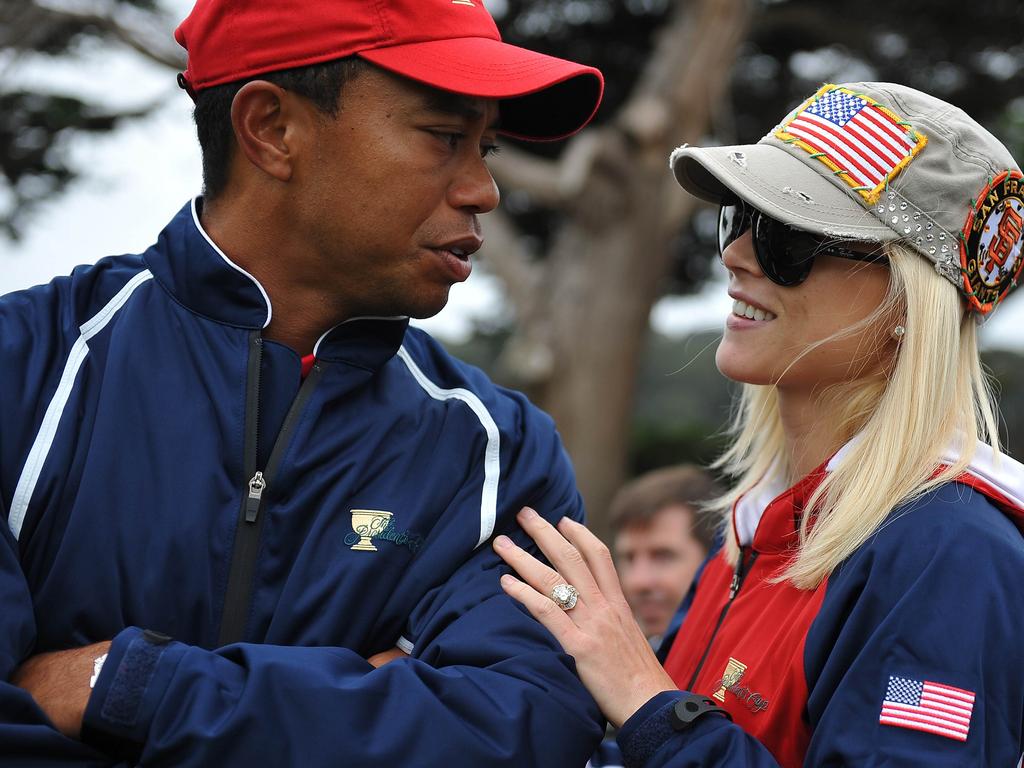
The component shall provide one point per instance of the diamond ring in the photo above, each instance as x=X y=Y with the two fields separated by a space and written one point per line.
x=564 y=596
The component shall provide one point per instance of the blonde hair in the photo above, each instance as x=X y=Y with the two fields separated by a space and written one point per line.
x=935 y=395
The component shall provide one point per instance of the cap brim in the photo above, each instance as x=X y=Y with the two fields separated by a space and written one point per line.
x=543 y=98
x=779 y=185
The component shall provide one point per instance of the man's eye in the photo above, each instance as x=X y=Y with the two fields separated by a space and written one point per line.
x=489 y=150
x=451 y=139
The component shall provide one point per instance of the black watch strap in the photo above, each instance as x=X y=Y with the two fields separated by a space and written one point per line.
x=690 y=708
x=665 y=717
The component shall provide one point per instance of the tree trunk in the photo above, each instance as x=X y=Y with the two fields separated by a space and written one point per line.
x=583 y=315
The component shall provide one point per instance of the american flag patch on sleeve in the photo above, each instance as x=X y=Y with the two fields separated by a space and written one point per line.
x=859 y=140
x=922 y=705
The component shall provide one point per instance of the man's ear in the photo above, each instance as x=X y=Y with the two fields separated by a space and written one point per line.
x=265 y=121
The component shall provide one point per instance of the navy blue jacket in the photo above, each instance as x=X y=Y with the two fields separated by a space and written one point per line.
x=166 y=473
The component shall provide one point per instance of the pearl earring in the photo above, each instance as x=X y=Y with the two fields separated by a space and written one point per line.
x=898 y=332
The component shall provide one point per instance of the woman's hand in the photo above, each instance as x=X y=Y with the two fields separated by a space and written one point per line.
x=612 y=655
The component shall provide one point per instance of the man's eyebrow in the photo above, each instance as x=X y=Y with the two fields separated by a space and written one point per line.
x=454 y=104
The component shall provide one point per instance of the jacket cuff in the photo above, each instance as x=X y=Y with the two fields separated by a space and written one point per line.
x=131 y=684
x=647 y=729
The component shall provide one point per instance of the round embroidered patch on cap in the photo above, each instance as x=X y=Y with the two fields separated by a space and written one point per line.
x=994 y=238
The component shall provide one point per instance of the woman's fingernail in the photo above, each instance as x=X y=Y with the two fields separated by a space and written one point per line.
x=503 y=542
x=528 y=514
x=507 y=581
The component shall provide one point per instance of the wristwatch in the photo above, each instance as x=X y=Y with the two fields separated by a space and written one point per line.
x=690 y=708
x=97 y=667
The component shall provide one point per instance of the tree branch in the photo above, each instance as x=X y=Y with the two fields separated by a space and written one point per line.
x=550 y=183
x=28 y=25
x=687 y=73
x=519 y=170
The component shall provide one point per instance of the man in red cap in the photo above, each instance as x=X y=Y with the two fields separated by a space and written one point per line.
x=249 y=499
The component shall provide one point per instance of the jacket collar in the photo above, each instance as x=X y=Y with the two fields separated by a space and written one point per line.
x=768 y=515
x=200 y=276
x=995 y=475
x=365 y=342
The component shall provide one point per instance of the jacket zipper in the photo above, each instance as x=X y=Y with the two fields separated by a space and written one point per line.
x=743 y=567
x=252 y=504
x=238 y=595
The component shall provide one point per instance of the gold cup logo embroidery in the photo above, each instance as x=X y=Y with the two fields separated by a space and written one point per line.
x=367 y=523
x=733 y=674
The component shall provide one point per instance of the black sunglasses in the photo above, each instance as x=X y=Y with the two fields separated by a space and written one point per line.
x=784 y=254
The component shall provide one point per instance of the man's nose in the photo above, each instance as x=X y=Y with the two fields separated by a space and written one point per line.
x=641 y=575
x=474 y=190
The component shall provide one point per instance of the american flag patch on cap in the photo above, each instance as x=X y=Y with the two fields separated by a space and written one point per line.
x=859 y=140
x=922 y=705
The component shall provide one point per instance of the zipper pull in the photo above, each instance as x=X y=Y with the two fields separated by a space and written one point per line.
x=252 y=504
x=738 y=574
x=742 y=569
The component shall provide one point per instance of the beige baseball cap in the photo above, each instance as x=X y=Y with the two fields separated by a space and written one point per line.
x=880 y=162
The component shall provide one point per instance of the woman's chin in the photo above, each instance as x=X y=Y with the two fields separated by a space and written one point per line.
x=740 y=366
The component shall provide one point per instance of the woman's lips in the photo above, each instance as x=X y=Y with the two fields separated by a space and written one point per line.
x=741 y=308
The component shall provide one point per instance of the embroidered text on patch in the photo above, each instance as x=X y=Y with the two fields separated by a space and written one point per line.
x=730 y=682
x=369 y=525
x=993 y=237
x=922 y=705
x=859 y=140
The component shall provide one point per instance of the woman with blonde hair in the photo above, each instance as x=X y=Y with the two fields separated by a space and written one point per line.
x=865 y=608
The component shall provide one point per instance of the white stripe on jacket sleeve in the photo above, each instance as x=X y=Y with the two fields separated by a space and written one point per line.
x=51 y=419
x=492 y=454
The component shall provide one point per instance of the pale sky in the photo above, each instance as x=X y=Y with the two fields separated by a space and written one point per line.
x=136 y=179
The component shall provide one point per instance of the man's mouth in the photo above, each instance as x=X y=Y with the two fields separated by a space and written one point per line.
x=461 y=248
x=455 y=255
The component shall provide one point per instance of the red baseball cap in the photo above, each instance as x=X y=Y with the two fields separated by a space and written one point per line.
x=452 y=45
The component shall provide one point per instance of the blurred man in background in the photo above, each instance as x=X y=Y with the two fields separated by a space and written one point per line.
x=660 y=538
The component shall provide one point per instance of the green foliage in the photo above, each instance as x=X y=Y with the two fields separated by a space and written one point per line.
x=683 y=403
x=33 y=156
x=36 y=128
x=1010 y=127
x=613 y=35
x=1007 y=372
x=27 y=26
x=967 y=53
